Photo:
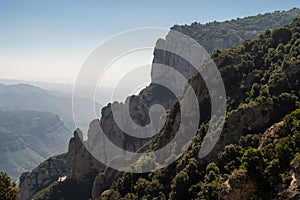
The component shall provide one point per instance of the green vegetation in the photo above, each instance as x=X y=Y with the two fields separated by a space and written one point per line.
x=258 y=151
x=262 y=82
x=215 y=36
x=41 y=194
x=8 y=190
x=50 y=170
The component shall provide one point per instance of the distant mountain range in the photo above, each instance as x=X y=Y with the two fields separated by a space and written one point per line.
x=28 y=97
x=29 y=137
x=34 y=125
x=57 y=87
x=257 y=155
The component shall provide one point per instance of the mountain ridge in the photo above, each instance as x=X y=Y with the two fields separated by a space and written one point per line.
x=28 y=97
x=242 y=68
x=29 y=137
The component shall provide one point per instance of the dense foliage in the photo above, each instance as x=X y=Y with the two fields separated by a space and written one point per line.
x=8 y=190
x=223 y=35
x=262 y=82
x=257 y=156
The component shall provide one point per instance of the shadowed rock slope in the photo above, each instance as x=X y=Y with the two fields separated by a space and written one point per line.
x=261 y=78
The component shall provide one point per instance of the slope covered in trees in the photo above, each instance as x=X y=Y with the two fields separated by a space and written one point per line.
x=224 y=35
x=262 y=124
x=257 y=155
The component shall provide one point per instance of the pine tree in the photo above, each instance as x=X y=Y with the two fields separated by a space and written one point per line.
x=8 y=190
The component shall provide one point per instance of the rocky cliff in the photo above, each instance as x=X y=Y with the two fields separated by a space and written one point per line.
x=248 y=72
x=249 y=160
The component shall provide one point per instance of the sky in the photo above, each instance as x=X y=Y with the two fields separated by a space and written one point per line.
x=48 y=41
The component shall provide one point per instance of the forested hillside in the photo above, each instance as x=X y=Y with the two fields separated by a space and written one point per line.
x=224 y=35
x=256 y=157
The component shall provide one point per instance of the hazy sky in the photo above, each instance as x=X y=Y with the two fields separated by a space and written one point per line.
x=49 y=40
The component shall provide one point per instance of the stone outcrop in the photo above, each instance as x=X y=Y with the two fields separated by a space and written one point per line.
x=81 y=167
x=80 y=162
x=103 y=181
x=238 y=186
x=93 y=178
x=42 y=176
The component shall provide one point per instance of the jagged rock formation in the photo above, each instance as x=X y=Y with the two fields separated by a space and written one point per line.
x=262 y=87
x=79 y=161
x=252 y=110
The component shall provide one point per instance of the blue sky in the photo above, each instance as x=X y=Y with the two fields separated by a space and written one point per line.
x=48 y=40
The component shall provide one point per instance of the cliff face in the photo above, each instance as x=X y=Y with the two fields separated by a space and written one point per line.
x=82 y=169
x=251 y=111
x=79 y=161
x=262 y=87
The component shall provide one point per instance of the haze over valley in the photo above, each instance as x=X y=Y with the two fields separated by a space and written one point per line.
x=98 y=104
